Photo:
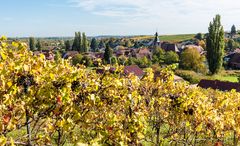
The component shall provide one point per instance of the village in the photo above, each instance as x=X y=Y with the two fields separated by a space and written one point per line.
x=139 y=52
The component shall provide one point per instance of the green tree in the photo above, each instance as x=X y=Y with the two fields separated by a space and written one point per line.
x=199 y=36
x=233 y=30
x=191 y=59
x=77 y=59
x=84 y=60
x=77 y=42
x=84 y=43
x=215 y=45
x=94 y=45
x=158 y=55
x=87 y=61
x=67 y=45
x=142 y=62
x=122 y=60
x=171 y=57
x=114 y=60
x=108 y=54
x=39 y=45
x=131 y=61
x=101 y=44
x=57 y=56
x=136 y=44
x=230 y=45
x=111 y=42
x=146 y=62
x=128 y=43
x=32 y=43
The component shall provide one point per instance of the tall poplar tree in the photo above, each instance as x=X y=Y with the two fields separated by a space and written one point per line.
x=233 y=30
x=108 y=54
x=32 y=43
x=39 y=45
x=67 y=45
x=77 y=42
x=84 y=43
x=94 y=45
x=215 y=45
x=101 y=44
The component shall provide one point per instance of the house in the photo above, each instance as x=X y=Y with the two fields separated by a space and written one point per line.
x=198 y=48
x=169 y=47
x=164 y=45
x=143 y=52
x=231 y=36
x=219 y=85
x=69 y=54
x=155 y=42
x=134 y=69
x=233 y=60
x=128 y=52
x=47 y=53
x=227 y=35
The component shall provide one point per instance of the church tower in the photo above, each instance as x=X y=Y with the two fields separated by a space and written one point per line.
x=156 y=41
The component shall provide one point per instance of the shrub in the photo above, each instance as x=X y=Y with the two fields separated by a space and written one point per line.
x=143 y=62
x=158 y=55
x=192 y=59
x=79 y=59
x=171 y=57
x=189 y=76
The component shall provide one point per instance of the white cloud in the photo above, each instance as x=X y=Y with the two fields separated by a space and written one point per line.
x=155 y=7
x=164 y=14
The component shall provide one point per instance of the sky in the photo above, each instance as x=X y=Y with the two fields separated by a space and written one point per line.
x=48 y=18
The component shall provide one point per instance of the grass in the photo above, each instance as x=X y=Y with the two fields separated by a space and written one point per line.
x=229 y=78
x=169 y=38
x=176 y=38
x=194 y=78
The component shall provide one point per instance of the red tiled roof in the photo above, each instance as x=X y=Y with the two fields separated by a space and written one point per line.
x=144 y=51
x=220 y=85
x=134 y=69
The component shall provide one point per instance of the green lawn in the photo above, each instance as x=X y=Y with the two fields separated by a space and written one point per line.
x=169 y=38
x=226 y=78
x=176 y=38
x=194 y=78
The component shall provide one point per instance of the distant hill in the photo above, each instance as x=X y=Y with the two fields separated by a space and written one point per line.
x=169 y=38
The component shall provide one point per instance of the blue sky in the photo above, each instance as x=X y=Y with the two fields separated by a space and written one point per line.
x=41 y=18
